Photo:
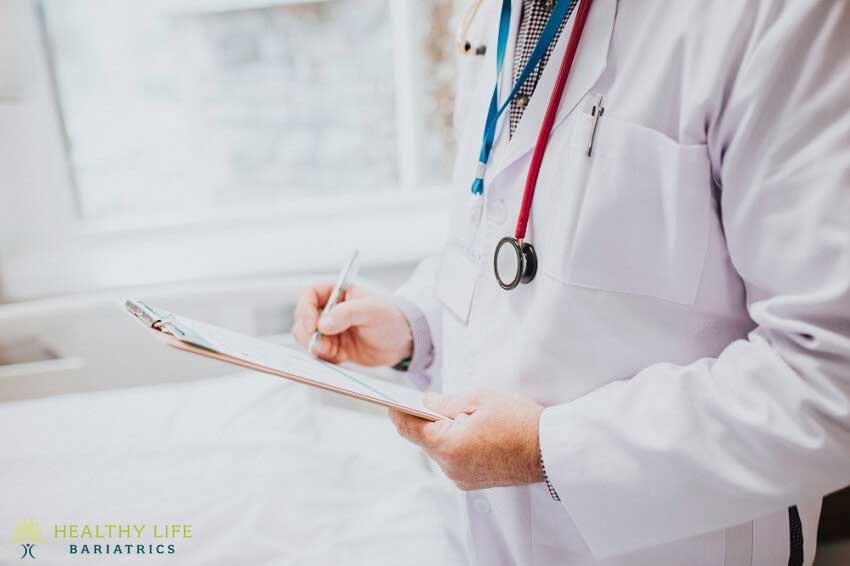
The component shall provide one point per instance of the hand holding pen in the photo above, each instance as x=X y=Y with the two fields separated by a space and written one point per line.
x=351 y=323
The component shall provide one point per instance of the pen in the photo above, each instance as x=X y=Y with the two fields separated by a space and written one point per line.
x=597 y=112
x=346 y=277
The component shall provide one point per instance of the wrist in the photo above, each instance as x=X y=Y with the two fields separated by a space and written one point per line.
x=406 y=351
x=403 y=352
x=544 y=475
x=417 y=344
x=536 y=468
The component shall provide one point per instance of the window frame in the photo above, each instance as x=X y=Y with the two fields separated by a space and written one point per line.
x=47 y=248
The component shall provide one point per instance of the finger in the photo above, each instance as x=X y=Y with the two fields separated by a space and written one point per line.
x=409 y=427
x=435 y=433
x=452 y=405
x=322 y=347
x=345 y=315
x=300 y=334
x=329 y=349
x=309 y=305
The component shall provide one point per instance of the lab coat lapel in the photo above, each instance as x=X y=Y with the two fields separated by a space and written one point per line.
x=588 y=66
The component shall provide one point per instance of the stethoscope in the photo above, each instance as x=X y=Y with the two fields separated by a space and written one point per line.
x=515 y=260
x=463 y=43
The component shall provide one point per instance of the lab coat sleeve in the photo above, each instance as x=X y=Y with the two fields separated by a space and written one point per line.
x=678 y=451
x=417 y=300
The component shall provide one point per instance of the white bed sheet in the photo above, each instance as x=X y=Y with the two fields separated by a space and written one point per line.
x=262 y=470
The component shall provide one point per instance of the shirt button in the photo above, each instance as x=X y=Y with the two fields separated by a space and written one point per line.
x=481 y=504
x=498 y=211
x=522 y=100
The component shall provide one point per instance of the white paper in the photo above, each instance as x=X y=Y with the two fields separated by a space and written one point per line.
x=299 y=363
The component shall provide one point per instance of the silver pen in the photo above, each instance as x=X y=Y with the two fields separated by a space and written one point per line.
x=345 y=279
x=596 y=113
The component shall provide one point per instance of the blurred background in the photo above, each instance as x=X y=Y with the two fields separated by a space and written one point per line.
x=212 y=157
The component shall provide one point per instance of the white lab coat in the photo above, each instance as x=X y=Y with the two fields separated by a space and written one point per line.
x=689 y=326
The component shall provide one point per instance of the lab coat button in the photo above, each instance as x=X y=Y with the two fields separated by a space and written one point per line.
x=481 y=504
x=498 y=212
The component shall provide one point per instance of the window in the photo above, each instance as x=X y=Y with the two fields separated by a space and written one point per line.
x=159 y=141
x=184 y=105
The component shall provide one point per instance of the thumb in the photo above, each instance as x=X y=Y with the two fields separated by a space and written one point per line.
x=345 y=315
x=450 y=405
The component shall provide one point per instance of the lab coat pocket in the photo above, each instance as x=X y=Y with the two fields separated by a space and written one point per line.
x=642 y=224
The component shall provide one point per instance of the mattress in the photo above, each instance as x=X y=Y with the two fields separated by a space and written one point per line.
x=245 y=469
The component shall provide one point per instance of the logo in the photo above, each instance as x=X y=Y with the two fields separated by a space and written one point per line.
x=103 y=538
x=27 y=533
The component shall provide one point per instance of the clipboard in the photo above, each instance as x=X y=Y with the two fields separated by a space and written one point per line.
x=295 y=364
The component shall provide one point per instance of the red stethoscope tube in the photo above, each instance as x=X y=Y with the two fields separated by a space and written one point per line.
x=549 y=120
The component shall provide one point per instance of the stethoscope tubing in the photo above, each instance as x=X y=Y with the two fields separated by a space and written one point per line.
x=549 y=119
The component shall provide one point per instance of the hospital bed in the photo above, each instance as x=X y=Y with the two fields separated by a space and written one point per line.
x=264 y=470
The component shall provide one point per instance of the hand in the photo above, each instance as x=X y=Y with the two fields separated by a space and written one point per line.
x=362 y=327
x=492 y=441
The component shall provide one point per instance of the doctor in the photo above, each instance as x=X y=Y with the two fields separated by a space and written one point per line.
x=658 y=371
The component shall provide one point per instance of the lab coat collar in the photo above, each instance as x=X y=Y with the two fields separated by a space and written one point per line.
x=588 y=66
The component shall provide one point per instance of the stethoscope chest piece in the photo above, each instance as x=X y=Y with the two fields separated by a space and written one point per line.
x=514 y=262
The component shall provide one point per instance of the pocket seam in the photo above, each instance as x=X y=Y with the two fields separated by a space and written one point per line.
x=643 y=130
x=640 y=294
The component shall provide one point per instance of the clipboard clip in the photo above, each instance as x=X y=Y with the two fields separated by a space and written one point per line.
x=165 y=322
x=144 y=313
